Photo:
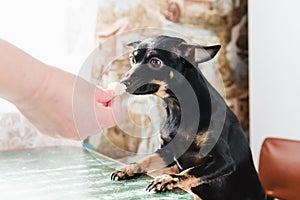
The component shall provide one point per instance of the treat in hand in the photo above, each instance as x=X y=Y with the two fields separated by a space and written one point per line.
x=118 y=88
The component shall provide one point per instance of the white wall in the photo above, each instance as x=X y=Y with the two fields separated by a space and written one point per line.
x=274 y=31
x=57 y=32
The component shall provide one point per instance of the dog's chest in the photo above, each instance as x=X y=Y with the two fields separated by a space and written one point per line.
x=171 y=122
x=165 y=137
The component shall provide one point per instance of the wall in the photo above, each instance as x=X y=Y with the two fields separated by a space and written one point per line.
x=274 y=71
x=57 y=32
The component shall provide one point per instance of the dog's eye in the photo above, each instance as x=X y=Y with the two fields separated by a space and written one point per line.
x=155 y=62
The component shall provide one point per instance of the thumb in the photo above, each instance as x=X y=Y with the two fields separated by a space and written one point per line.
x=109 y=116
x=102 y=96
x=105 y=117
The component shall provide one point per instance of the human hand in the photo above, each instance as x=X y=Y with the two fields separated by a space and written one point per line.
x=68 y=106
x=56 y=102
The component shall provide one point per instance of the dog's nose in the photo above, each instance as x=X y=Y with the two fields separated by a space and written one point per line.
x=125 y=81
x=128 y=85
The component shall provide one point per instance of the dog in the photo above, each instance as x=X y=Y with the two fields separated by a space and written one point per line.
x=206 y=154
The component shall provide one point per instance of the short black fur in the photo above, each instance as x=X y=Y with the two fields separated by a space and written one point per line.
x=227 y=171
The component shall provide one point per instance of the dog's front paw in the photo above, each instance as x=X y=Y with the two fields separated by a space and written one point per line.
x=163 y=183
x=127 y=172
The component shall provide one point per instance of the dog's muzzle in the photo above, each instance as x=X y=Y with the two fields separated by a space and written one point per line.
x=138 y=87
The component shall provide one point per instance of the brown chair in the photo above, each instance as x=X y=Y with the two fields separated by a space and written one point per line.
x=279 y=168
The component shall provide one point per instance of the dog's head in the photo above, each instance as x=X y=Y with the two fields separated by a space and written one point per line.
x=157 y=62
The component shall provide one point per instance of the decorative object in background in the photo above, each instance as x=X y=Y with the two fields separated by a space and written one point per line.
x=205 y=22
x=17 y=133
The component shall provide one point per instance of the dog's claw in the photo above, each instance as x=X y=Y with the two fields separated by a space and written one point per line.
x=150 y=187
x=161 y=184
x=127 y=172
x=118 y=175
x=114 y=177
x=163 y=188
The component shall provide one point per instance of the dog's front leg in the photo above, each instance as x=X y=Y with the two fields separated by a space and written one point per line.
x=171 y=169
x=165 y=182
x=219 y=164
x=149 y=163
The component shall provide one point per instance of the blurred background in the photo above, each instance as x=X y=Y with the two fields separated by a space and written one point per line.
x=203 y=22
x=63 y=33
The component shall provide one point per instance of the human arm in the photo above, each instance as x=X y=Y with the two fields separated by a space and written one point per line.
x=44 y=95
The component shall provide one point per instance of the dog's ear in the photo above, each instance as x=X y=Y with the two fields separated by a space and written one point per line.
x=133 y=44
x=200 y=54
x=206 y=53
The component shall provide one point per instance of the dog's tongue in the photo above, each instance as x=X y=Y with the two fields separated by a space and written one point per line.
x=118 y=88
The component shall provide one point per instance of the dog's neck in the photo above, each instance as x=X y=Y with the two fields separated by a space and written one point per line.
x=172 y=118
x=202 y=91
x=174 y=109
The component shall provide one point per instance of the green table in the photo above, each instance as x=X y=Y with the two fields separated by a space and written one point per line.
x=68 y=173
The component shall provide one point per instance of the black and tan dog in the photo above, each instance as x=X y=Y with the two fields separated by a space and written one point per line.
x=207 y=154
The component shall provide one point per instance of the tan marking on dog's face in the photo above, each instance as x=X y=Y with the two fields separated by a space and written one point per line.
x=135 y=53
x=162 y=88
x=161 y=141
x=148 y=54
x=171 y=74
x=200 y=138
x=132 y=57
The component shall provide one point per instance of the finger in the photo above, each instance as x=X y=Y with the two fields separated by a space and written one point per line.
x=110 y=92
x=105 y=116
x=116 y=105
x=102 y=96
